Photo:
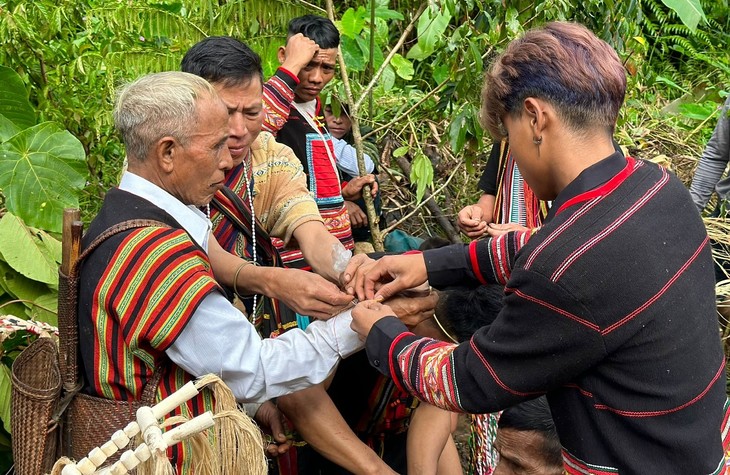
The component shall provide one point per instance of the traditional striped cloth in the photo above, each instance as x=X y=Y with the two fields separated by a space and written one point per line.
x=137 y=292
x=315 y=152
x=515 y=202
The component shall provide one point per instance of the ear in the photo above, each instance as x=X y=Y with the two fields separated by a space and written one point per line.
x=281 y=54
x=535 y=110
x=166 y=150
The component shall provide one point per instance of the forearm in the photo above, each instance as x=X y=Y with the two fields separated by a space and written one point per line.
x=714 y=161
x=219 y=339
x=486 y=260
x=318 y=247
x=317 y=419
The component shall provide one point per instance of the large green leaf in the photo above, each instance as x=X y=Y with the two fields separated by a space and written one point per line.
x=32 y=254
x=14 y=103
x=430 y=30
x=689 y=11
x=41 y=171
x=5 y=396
x=353 y=22
x=7 y=128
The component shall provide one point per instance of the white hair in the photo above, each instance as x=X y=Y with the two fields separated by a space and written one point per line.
x=158 y=105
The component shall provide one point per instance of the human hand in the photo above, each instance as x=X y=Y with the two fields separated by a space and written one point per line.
x=273 y=422
x=353 y=190
x=366 y=313
x=357 y=261
x=386 y=277
x=309 y=294
x=358 y=218
x=298 y=52
x=471 y=222
x=413 y=309
x=495 y=230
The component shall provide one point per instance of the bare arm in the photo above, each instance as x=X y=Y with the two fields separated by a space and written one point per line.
x=317 y=246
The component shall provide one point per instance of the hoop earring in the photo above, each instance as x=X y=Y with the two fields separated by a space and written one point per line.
x=537 y=141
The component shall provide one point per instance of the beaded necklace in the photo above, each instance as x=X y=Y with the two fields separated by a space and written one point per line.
x=249 y=193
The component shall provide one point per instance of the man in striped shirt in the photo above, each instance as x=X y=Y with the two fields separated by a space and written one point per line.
x=294 y=114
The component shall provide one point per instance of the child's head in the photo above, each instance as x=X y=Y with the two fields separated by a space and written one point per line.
x=339 y=126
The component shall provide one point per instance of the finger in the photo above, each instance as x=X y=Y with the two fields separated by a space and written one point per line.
x=284 y=448
x=387 y=290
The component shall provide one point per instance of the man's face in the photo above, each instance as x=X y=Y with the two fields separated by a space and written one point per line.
x=522 y=452
x=198 y=168
x=338 y=126
x=315 y=76
x=244 y=104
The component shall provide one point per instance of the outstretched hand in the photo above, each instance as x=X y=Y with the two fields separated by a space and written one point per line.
x=366 y=313
x=381 y=279
x=495 y=230
x=309 y=294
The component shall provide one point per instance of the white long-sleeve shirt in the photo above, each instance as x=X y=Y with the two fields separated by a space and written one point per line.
x=219 y=339
x=346 y=157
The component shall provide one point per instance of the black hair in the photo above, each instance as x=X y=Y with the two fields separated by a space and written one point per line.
x=223 y=59
x=464 y=311
x=433 y=242
x=317 y=28
x=534 y=415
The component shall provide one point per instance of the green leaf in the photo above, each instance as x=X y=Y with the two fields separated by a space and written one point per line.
x=512 y=21
x=457 y=132
x=41 y=171
x=26 y=252
x=352 y=23
x=352 y=54
x=7 y=129
x=689 y=11
x=384 y=13
x=400 y=151
x=696 y=111
x=430 y=31
x=403 y=67
x=5 y=388
x=440 y=73
x=45 y=310
x=421 y=174
x=14 y=103
x=387 y=79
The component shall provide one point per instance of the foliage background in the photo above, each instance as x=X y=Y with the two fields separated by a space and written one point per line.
x=70 y=57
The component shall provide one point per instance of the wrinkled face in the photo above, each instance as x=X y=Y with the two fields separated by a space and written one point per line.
x=338 y=126
x=521 y=452
x=245 y=115
x=198 y=168
x=315 y=76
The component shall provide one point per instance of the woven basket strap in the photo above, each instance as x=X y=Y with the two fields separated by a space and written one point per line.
x=68 y=319
x=116 y=229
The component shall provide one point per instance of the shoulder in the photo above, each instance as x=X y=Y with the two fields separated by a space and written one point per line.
x=266 y=150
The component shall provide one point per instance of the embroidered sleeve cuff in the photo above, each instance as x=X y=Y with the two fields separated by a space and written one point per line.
x=288 y=77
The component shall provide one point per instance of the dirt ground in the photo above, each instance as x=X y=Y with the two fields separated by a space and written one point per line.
x=461 y=439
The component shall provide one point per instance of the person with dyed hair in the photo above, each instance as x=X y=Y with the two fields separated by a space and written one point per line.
x=609 y=307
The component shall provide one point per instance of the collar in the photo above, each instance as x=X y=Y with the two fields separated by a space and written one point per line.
x=193 y=221
x=310 y=107
x=598 y=179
